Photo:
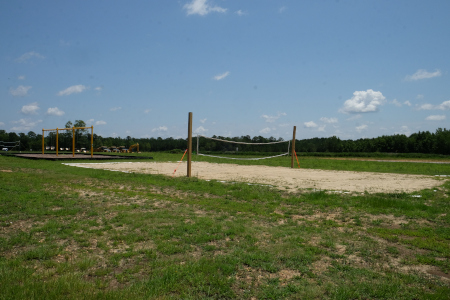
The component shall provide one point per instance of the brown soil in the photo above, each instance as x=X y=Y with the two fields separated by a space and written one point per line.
x=292 y=180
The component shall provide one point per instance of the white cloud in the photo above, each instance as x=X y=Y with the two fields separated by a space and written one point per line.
x=399 y=104
x=443 y=106
x=221 y=76
x=22 y=77
x=202 y=7
x=361 y=128
x=310 y=124
x=29 y=55
x=24 y=125
x=147 y=111
x=159 y=129
x=405 y=130
x=265 y=130
x=329 y=120
x=282 y=9
x=322 y=128
x=54 y=111
x=363 y=102
x=90 y=121
x=396 y=103
x=74 y=89
x=419 y=96
x=30 y=109
x=355 y=117
x=203 y=120
x=423 y=74
x=426 y=106
x=200 y=130
x=435 y=118
x=20 y=91
x=100 y=123
x=271 y=119
x=115 y=108
x=2 y=124
x=98 y=89
x=240 y=13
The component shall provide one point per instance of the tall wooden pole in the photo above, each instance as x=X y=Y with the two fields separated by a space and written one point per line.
x=42 y=140
x=189 y=146
x=92 y=141
x=56 y=141
x=293 y=148
x=73 y=141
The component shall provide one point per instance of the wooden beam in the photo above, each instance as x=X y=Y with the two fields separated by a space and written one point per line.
x=189 y=146
x=293 y=147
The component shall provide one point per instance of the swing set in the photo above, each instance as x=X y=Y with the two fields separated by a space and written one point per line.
x=73 y=138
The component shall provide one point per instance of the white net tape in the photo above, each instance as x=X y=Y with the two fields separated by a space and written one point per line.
x=242 y=143
x=241 y=158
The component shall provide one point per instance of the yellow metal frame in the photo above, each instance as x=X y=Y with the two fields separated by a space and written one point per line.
x=73 y=138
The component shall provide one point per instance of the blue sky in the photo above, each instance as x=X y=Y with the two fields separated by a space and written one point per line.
x=352 y=69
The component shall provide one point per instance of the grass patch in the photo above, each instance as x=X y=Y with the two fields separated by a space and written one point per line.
x=84 y=233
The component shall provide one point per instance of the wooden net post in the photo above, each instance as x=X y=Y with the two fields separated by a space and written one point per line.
x=92 y=141
x=189 y=146
x=42 y=140
x=56 y=141
x=293 y=148
x=73 y=141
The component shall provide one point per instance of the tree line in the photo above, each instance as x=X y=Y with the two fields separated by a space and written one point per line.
x=421 y=142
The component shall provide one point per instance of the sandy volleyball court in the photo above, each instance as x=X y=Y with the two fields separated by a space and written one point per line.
x=281 y=177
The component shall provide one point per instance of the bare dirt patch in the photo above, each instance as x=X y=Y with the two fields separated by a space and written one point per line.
x=292 y=180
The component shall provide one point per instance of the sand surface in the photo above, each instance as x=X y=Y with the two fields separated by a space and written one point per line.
x=281 y=177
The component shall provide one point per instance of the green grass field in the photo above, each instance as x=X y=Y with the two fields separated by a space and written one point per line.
x=73 y=233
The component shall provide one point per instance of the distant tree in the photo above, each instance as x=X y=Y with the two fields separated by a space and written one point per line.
x=12 y=136
x=129 y=141
x=423 y=142
x=66 y=137
x=81 y=135
x=23 y=141
x=420 y=142
x=442 y=141
x=3 y=136
x=34 y=141
x=333 y=144
x=98 y=141
x=80 y=123
x=31 y=135
x=31 y=141
x=400 y=143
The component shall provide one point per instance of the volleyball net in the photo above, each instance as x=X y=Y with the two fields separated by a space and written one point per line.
x=241 y=150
